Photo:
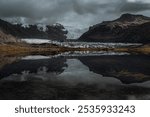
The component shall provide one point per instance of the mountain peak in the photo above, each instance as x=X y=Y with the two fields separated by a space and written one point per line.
x=131 y=17
x=128 y=20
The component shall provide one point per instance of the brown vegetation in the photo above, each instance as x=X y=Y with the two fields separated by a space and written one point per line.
x=24 y=48
x=144 y=49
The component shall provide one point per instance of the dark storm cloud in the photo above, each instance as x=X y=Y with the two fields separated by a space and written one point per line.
x=77 y=11
x=133 y=6
x=44 y=8
x=14 y=8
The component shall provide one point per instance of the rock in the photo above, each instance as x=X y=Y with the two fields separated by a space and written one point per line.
x=7 y=38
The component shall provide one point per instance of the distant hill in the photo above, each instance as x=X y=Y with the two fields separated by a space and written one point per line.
x=127 y=28
x=40 y=31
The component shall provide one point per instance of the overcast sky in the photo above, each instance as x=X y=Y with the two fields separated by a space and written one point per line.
x=71 y=12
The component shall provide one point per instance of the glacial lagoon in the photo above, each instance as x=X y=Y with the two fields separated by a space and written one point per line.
x=76 y=75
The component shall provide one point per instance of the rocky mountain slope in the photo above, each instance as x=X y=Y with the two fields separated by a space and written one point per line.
x=53 y=32
x=7 y=38
x=127 y=28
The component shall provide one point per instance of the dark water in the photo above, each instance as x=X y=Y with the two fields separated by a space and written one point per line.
x=76 y=76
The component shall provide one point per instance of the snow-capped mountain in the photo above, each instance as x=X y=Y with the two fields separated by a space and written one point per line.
x=38 y=31
x=42 y=31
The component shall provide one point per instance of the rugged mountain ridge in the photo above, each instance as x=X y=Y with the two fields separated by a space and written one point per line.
x=128 y=28
x=53 y=32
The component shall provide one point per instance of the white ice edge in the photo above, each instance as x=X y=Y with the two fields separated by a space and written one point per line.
x=36 y=41
x=35 y=57
x=79 y=44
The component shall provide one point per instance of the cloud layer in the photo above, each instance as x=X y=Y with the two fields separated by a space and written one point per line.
x=70 y=12
x=136 y=6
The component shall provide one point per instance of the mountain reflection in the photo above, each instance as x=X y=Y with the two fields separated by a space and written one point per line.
x=32 y=65
x=76 y=77
x=128 y=69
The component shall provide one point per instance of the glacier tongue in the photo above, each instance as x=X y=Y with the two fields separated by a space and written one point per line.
x=75 y=32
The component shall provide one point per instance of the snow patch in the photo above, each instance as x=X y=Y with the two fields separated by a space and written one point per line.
x=36 y=41
x=42 y=27
x=25 y=25
x=57 y=25
x=36 y=57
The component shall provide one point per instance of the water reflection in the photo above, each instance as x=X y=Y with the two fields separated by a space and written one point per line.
x=77 y=73
x=76 y=77
x=32 y=65
x=128 y=69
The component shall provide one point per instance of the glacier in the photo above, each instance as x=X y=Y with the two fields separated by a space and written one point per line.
x=74 y=32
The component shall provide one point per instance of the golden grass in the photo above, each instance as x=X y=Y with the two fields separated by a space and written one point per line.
x=14 y=49
x=23 y=48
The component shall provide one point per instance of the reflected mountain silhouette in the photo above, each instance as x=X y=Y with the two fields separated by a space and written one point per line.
x=128 y=69
x=17 y=67
x=86 y=77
